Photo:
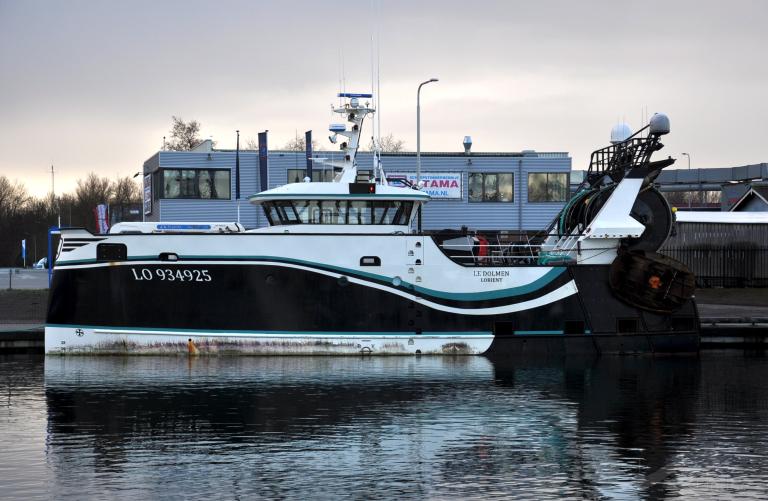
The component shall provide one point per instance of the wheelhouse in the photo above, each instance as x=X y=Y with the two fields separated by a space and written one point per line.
x=349 y=204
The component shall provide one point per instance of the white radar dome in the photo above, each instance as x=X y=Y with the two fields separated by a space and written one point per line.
x=620 y=132
x=659 y=124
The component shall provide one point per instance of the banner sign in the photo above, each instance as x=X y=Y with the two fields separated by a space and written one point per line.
x=148 y=194
x=24 y=252
x=237 y=169
x=438 y=185
x=263 y=176
x=101 y=218
x=308 y=141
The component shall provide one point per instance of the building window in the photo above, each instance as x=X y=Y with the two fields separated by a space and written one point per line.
x=547 y=187
x=196 y=183
x=318 y=175
x=491 y=187
x=325 y=175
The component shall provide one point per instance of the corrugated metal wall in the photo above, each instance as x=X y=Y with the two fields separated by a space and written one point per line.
x=698 y=235
x=722 y=255
x=210 y=210
x=438 y=214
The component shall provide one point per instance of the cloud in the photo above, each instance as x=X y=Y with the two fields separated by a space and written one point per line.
x=92 y=85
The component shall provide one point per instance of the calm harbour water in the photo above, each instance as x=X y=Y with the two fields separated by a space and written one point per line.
x=364 y=428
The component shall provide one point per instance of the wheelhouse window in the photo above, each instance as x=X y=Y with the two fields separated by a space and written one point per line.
x=359 y=212
x=333 y=211
x=196 y=183
x=309 y=211
x=491 y=187
x=286 y=212
x=394 y=212
x=547 y=187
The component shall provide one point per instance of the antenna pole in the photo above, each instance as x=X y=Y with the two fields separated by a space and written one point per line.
x=378 y=83
x=378 y=91
x=53 y=194
x=343 y=73
x=374 y=145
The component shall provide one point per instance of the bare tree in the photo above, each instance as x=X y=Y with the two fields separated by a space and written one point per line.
x=692 y=198
x=251 y=144
x=183 y=135
x=389 y=144
x=125 y=191
x=68 y=209
x=13 y=197
x=298 y=143
x=93 y=190
x=90 y=192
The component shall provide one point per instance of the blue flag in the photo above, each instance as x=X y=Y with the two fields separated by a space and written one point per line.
x=263 y=175
x=237 y=168
x=308 y=142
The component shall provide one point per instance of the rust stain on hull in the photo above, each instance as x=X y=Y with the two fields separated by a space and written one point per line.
x=212 y=346
x=456 y=349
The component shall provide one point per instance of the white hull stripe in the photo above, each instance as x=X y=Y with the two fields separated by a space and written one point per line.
x=562 y=292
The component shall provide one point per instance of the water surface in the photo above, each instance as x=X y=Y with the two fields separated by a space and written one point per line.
x=397 y=427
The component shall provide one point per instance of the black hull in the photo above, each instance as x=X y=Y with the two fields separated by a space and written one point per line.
x=615 y=326
x=277 y=298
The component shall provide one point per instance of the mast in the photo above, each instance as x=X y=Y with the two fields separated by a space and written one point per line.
x=355 y=114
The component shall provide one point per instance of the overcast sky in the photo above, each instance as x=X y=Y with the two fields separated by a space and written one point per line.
x=92 y=85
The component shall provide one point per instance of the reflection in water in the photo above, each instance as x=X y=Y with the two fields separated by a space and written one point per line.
x=392 y=427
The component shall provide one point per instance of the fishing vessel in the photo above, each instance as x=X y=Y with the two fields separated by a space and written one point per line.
x=345 y=268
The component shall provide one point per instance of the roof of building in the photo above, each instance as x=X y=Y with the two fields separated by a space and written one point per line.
x=525 y=153
x=704 y=176
x=722 y=217
x=760 y=192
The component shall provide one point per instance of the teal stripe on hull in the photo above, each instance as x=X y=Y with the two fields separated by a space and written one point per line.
x=537 y=333
x=542 y=281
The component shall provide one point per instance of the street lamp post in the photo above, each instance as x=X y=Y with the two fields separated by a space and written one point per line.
x=418 y=129
x=689 y=168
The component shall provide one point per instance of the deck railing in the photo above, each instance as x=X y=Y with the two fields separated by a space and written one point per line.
x=491 y=250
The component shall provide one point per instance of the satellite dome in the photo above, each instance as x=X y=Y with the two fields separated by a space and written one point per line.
x=659 y=124
x=620 y=132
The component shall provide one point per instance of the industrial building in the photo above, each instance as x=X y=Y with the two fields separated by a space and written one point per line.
x=737 y=189
x=517 y=191
x=521 y=191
